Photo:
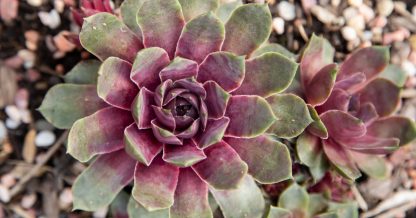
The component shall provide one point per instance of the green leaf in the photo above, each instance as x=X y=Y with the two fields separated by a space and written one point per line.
x=118 y=207
x=292 y=115
x=277 y=212
x=128 y=12
x=372 y=165
x=317 y=127
x=194 y=8
x=58 y=105
x=295 y=199
x=224 y=10
x=239 y=35
x=273 y=47
x=395 y=74
x=85 y=72
x=344 y=210
x=135 y=210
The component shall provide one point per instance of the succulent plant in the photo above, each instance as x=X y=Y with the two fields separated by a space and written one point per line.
x=90 y=7
x=352 y=108
x=183 y=105
x=296 y=202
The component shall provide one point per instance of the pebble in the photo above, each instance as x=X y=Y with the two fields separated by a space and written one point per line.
x=62 y=43
x=367 y=12
x=385 y=7
x=28 y=200
x=50 y=19
x=355 y=3
x=100 y=213
x=8 y=180
x=409 y=68
x=357 y=22
x=65 y=198
x=349 y=33
x=350 y=12
x=35 y=3
x=28 y=58
x=367 y=35
x=412 y=41
x=323 y=14
x=335 y=3
x=12 y=124
x=286 y=10
x=45 y=138
x=4 y=194
x=9 y=10
x=414 y=11
x=32 y=37
x=3 y=132
x=278 y=25
x=21 y=98
x=13 y=112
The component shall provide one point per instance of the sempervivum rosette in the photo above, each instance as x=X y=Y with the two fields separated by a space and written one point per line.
x=352 y=107
x=180 y=108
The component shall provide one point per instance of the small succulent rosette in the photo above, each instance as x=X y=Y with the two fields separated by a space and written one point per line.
x=352 y=107
x=296 y=202
x=88 y=8
x=183 y=105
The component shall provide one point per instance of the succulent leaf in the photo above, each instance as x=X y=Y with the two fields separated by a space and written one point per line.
x=250 y=116
x=351 y=127
x=245 y=201
x=372 y=165
x=213 y=133
x=99 y=184
x=396 y=127
x=141 y=144
x=128 y=12
x=58 y=104
x=268 y=160
x=191 y=197
x=395 y=74
x=225 y=9
x=179 y=68
x=136 y=210
x=184 y=155
x=141 y=109
x=103 y=29
x=119 y=205
x=295 y=199
x=217 y=99
x=292 y=115
x=273 y=47
x=154 y=185
x=321 y=85
x=338 y=100
x=277 y=212
x=261 y=74
x=317 y=127
x=200 y=37
x=194 y=8
x=239 y=35
x=344 y=210
x=97 y=134
x=310 y=152
x=161 y=22
x=114 y=85
x=85 y=72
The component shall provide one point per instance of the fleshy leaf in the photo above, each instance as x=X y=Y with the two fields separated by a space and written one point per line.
x=338 y=100
x=224 y=68
x=85 y=72
x=341 y=159
x=216 y=100
x=367 y=113
x=250 y=116
x=318 y=54
x=103 y=29
x=213 y=133
x=371 y=145
x=349 y=210
x=191 y=197
x=142 y=110
x=194 y=8
x=396 y=127
x=191 y=131
x=147 y=65
x=277 y=212
x=395 y=74
x=310 y=152
x=192 y=86
x=273 y=47
x=200 y=37
x=164 y=135
x=179 y=68
x=183 y=156
x=223 y=168
x=119 y=205
x=295 y=199
x=268 y=160
x=99 y=184
x=141 y=144
x=261 y=73
x=154 y=185
x=247 y=28
x=58 y=104
x=342 y=126
x=318 y=202
x=359 y=62
x=136 y=210
x=372 y=165
x=165 y=117
x=245 y=201
x=161 y=22
x=317 y=127
x=383 y=94
x=98 y=133
x=351 y=82
x=292 y=115
x=114 y=85
x=319 y=88
x=128 y=12
x=225 y=9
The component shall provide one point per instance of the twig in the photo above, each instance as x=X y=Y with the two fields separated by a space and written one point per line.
x=360 y=200
x=398 y=210
x=52 y=150
x=397 y=200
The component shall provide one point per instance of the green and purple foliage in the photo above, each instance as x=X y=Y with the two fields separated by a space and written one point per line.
x=184 y=104
x=352 y=106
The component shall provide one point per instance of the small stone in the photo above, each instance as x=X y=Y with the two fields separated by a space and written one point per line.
x=349 y=33
x=4 y=194
x=21 y=98
x=323 y=14
x=8 y=180
x=62 y=43
x=355 y=3
x=286 y=10
x=28 y=58
x=350 y=12
x=409 y=68
x=32 y=38
x=357 y=22
x=412 y=41
x=279 y=25
x=100 y=213
x=385 y=7
x=12 y=124
x=28 y=200
x=65 y=198
x=379 y=22
x=414 y=11
x=50 y=19
x=335 y=3
x=9 y=10
x=13 y=112
x=367 y=12
x=45 y=138
x=59 y=5
x=35 y=3
x=367 y=35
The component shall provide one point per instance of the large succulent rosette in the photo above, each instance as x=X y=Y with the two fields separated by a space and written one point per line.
x=183 y=105
x=352 y=106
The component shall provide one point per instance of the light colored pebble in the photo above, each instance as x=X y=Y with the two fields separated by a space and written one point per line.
x=357 y=22
x=8 y=180
x=35 y=3
x=335 y=3
x=13 y=112
x=323 y=14
x=45 y=138
x=350 y=12
x=409 y=68
x=28 y=58
x=12 y=124
x=414 y=11
x=28 y=200
x=4 y=194
x=26 y=116
x=355 y=3
x=21 y=98
x=367 y=12
x=50 y=19
x=385 y=7
x=367 y=35
x=279 y=25
x=286 y=10
x=65 y=198
x=3 y=132
x=59 y=5
x=349 y=33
